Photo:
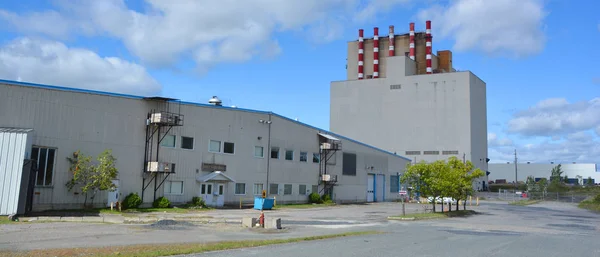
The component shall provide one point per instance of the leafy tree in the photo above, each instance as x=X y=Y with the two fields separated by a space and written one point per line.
x=92 y=178
x=419 y=176
x=589 y=181
x=566 y=179
x=556 y=174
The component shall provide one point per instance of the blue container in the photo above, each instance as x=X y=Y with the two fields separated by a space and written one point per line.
x=263 y=203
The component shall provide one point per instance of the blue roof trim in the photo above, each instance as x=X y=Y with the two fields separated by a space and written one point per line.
x=18 y=83
x=79 y=90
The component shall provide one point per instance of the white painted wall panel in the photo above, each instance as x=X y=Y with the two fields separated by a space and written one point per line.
x=12 y=153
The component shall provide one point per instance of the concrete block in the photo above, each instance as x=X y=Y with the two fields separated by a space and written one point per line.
x=273 y=223
x=93 y=219
x=249 y=222
x=71 y=219
x=114 y=219
x=50 y=218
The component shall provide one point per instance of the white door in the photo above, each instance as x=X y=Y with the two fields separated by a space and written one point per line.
x=220 y=195
x=206 y=192
x=370 y=188
x=113 y=197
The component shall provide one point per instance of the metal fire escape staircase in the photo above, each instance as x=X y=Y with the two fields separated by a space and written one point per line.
x=328 y=147
x=159 y=122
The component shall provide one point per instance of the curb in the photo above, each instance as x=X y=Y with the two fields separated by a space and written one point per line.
x=125 y=220
x=400 y=218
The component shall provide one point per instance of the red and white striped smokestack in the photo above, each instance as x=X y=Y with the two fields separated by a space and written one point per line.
x=376 y=52
x=361 y=53
x=411 y=42
x=428 y=46
x=392 y=41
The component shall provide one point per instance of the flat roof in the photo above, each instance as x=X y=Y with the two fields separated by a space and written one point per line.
x=79 y=90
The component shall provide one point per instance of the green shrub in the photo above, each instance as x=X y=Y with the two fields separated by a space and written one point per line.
x=198 y=202
x=326 y=198
x=161 y=202
x=597 y=199
x=132 y=201
x=314 y=198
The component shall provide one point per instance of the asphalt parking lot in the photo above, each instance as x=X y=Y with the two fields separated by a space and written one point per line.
x=502 y=229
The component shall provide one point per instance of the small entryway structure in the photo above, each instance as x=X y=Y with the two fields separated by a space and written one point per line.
x=17 y=171
x=213 y=187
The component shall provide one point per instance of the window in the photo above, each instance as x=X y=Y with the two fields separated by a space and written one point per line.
x=259 y=152
x=45 y=160
x=168 y=141
x=289 y=155
x=174 y=187
x=214 y=146
x=449 y=152
x=258 y=188
x=187 y=142
x=431 y=152
x=303 y=156
x=287 y=189
x=394 y=183
x=412 y=152
x=316 y=157
x=302 y=189
x=315 y=189
x=206 y=189
x=273 y=188
x=229 y=147
x=240 y=188
x=275 y=152
x=349 y=164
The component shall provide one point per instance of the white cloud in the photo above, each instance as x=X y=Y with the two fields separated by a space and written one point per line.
x=494 y=141
x=512 y=27
x=50 y=62
x=556 y=117
x=209 y=32
x=581 y=147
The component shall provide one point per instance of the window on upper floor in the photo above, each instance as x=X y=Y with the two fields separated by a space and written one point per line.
x=349 y=164
x=259 y=151
x=229 y=148
x=214 y=146
x=168 y=141
x=187 y=143
x=289 y=155
x=275 y=152
x=316 y=157
x=303 y=156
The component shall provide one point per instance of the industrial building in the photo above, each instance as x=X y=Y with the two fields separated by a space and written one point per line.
x=167 y=147
x=577 y=173
x=411 y=102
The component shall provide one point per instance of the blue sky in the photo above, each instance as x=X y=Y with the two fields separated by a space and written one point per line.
x=538 y=57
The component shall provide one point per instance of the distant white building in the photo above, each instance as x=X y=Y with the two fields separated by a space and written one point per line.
x=500 y=172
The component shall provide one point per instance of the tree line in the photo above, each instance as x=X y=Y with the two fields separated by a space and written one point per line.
x=452 y=178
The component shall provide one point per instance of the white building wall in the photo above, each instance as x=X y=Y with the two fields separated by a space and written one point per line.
x=70 y=120
x=404 y=113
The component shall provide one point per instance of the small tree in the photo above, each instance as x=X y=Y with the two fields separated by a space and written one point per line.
x=92 y=178
x=556 y=174
x=589 y=181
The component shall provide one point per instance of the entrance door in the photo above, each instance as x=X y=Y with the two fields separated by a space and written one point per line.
x=113 y=197
x=206 y=192
x=379 y=188
x=370 y=188
x=220 y=195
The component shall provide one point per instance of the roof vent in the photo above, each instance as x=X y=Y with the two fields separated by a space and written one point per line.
x=215 y=100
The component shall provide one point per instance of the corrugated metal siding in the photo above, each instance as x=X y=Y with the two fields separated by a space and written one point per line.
x=12 y=152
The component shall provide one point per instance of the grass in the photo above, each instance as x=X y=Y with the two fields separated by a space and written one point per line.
x=434 y=215
x=5 y=220
x=174 y=249
x=525 y=202
x=109 y=211
x=589 y=205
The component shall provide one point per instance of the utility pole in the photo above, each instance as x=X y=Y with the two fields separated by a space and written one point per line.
x=464 y=155
x=516 y=178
